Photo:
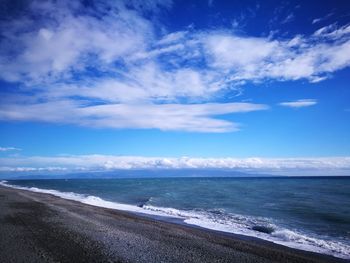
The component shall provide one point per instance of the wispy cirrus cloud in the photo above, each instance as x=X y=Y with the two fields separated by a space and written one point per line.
x=320 y=19
x=8 y=149
x=105 y=64
x=288 y=19
x=299 y=103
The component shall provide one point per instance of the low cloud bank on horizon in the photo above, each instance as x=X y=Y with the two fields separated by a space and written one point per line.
x=90 y=163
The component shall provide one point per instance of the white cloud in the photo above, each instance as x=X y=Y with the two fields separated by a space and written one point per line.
x=185 y=117
x=172 y=38
x=110 y=59
x=288 y=19
x=63 y=42
x=316 y=20
x=34 y=169
x=6 y=149
x=282 y=166
x=332 y=31
x=244 y=53
x=320 y=19
x=50 y=50
x=299 y=103
x=246 y=58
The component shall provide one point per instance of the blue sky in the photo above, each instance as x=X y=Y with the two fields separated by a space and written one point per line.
x=229 y=80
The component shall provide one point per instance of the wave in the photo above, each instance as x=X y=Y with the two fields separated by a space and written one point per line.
x=218 y=220
x=87 y=199
x=245 y=225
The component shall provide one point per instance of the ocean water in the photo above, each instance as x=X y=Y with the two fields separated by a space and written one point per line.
x=306 y=213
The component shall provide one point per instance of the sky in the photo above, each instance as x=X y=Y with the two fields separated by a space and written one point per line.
x=101 y=85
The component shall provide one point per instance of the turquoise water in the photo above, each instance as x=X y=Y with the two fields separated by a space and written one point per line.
x=306 y=213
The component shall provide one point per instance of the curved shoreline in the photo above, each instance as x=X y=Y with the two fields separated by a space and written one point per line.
x=198 y=220
x=45 y=228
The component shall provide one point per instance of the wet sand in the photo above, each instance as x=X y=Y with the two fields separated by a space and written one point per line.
x=37 y=227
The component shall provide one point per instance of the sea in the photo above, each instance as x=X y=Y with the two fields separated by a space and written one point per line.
x=308 y=213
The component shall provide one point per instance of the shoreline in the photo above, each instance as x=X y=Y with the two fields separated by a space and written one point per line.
x=98 y=234
x=280 y=235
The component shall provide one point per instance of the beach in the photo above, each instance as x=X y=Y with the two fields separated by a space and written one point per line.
x=38 y=227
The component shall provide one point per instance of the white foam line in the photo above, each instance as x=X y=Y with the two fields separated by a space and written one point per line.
x=280 y=236
x=88 y=199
